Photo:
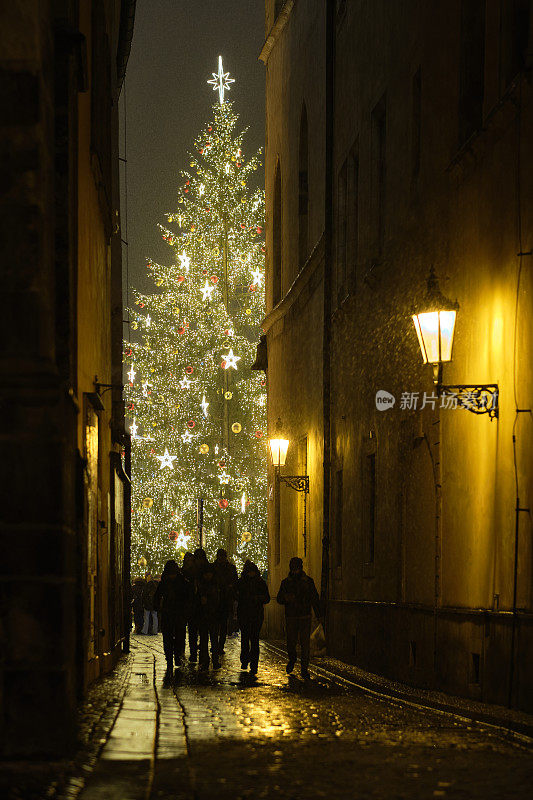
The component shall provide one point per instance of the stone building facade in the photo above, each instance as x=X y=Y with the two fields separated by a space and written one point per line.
x=399 y=139
x=64 y=515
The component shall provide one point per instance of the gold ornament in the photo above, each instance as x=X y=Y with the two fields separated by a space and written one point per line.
x=236 y=427
x=148 y=502
x=134 y=325
x=228 y=395
x=204 y=448
x=226 y=345
x=246 y=536
x=248 y=310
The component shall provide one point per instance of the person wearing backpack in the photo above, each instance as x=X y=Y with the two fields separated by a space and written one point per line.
x=299 y=595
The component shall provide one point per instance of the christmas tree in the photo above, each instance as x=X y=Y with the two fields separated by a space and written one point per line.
x=197 y=413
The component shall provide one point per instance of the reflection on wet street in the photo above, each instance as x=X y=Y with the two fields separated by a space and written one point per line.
x=226 y=735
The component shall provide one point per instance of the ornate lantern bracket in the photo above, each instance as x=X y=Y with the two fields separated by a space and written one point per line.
x=298 y=482
x=481 y=399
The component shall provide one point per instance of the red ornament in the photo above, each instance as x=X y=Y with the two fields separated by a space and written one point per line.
x=252 y=287
x=243 y=225
x=191 y=423
x=185 y=190
x=259 y=434
x=173 y=535
x=222 y=463
x=201 y=151
x=263 y=249
x=141 y=305
x=263 y=382
x=214 y=279
x=259 y=229
x=189 y=370
x=238 y=164
x=187 y=183
x=209 y=128
x=223 y=503
x=223 y=364
x=131 y=407
x=181 y=330
x=181 y=278
x=129 y=352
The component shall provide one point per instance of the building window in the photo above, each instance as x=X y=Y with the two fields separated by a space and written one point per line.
x=472 y=68
x=379 y=164
x=338 y=517
x=515 y=25
x=416 y=107
x=369 y=509
x=342 y=223
x=303 y=190
x=276 y=238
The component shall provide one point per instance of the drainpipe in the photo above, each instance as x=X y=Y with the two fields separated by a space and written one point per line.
x=326 y=338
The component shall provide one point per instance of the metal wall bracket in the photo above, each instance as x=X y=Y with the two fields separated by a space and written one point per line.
x=298 y=482
x=481 y=399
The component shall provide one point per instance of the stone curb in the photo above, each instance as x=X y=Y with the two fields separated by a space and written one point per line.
x=519 y=732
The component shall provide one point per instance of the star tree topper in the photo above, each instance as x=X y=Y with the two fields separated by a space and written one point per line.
x=221 y=81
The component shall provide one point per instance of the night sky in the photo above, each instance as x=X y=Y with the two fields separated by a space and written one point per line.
x=176 y=44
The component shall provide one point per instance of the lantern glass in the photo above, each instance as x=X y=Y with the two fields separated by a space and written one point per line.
x=278 y=451
x=435 y=331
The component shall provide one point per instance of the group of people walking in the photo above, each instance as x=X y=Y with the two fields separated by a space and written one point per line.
x=198 y=599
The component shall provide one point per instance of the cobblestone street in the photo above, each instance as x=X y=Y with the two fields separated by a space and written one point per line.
x=224 y=735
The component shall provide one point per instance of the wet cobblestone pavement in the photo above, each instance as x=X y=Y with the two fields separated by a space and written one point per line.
x=224 y=735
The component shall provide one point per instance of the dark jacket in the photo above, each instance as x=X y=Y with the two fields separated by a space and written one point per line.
x=148 y=595
x=252 y=596
x=173 y=597
x=208 y=595
x=226 y=575
x=137 y=595
x=298 y=594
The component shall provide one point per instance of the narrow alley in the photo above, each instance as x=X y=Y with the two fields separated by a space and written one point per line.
x=226 y=735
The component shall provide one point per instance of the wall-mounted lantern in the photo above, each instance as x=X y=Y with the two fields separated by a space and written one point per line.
x=278 y=446
x=434 y=323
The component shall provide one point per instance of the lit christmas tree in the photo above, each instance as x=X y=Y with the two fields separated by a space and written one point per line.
x=197 y=413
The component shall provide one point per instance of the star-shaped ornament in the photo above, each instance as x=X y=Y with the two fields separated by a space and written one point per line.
x=184 y=261
x=257 y=277
x=186 y=437
x=166 y=459
x=231 y=360
x=205 y=406
x=207 y=290
x=133 y=430
x=148 y=321
x=221 y=81
x=131 y=375
x=223 y=478
x=185 y=383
